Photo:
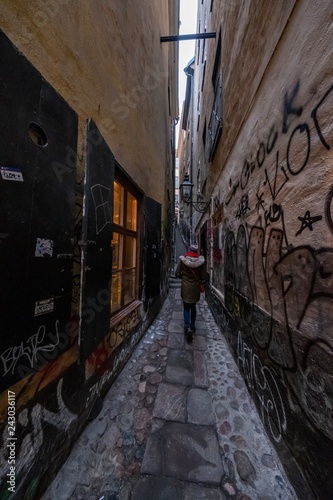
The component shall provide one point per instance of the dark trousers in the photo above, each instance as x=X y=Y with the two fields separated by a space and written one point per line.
x=190 y=314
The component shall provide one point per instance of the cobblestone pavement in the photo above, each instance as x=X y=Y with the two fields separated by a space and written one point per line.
x=178 y=424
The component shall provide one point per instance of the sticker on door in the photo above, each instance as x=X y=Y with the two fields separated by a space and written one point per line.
x=11 y=174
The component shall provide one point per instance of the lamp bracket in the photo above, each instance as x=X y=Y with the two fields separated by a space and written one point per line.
x=199 y=206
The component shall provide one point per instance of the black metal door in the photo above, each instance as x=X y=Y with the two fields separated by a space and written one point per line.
x=96 y=304
x=203 y=240
x=37 y=192
x=152 y=211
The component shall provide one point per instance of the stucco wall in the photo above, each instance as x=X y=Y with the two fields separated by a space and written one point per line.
x=250 y=31
x=106 y=60
x=272 y=255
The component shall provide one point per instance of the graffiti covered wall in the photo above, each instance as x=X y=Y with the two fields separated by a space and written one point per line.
x=277 y=245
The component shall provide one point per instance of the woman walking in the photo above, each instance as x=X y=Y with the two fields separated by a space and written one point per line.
x=190 y=269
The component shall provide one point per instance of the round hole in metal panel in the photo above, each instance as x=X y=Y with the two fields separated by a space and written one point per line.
x=37 y=135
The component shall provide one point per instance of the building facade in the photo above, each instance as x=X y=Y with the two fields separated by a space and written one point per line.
x=262 y=138
x=185 y=152
x=89 y=102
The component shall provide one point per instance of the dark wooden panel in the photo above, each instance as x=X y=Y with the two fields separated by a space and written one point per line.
x=153 y=244
x=98 y=235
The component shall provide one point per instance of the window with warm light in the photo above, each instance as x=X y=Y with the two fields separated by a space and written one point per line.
x=124 y=248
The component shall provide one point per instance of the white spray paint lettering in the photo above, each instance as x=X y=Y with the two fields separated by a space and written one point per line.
x=12 y=355
x=262 y=381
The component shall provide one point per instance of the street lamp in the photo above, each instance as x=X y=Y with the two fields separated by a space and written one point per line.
x=186 y=194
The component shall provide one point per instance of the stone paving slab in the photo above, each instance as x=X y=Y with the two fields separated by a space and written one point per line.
x=171 y=403
x=200 y=369
x=178 y=305
x=198 y=344
x=183 y=451
x=200 y=323
x=176 y=341
x=161 y=488
x=175 y=326
x=157 y=488
x=195 y=492
x=177 y=315
x=200 y=408
x=179 y=367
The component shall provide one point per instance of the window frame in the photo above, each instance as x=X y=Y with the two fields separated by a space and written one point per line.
x=124 y=232
x=215 y=122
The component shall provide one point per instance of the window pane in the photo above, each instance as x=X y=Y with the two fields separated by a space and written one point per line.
x=215 y=122
x=118 y=204
x=130 y=252
x=117 y=251
x=116 y=291
x=129 y=285
x=131 y=214
x=124 y=248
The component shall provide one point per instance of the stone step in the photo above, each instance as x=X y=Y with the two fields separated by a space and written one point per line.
x=175 y=283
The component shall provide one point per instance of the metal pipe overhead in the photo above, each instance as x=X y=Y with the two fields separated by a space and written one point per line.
x=194 y=36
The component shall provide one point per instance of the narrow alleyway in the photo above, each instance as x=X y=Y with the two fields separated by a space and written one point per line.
x=178 y=423
x=179 y=249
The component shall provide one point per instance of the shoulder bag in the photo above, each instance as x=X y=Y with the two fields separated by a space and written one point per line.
x=201 y=285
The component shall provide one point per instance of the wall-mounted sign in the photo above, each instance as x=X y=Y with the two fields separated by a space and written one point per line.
x=11 y=174
x=44 y=306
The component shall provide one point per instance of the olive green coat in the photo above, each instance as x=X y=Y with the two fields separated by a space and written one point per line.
x=190 y=292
